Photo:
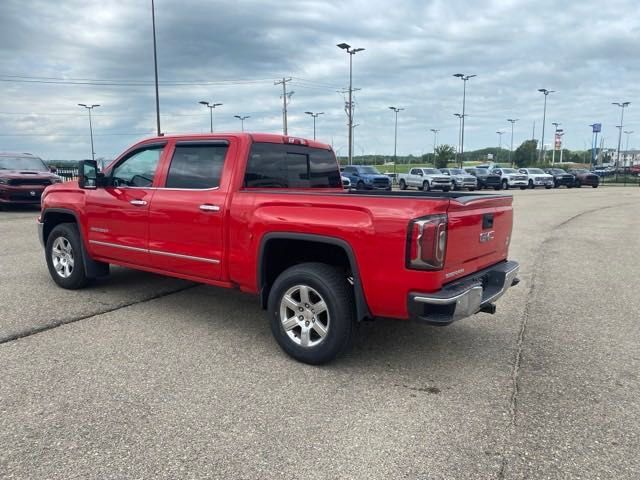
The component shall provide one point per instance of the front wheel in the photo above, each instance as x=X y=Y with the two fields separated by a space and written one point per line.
x=578 y=184
x=548 y=187
x=311 y=309
x=505 y=185
x=594 y=186
x=360 y=185
x=531 y=185
x=523 y=188
x=403 y=185
x=425 y=186
x=63 y=252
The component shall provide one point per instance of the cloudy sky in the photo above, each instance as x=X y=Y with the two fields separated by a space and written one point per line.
x=54 y=55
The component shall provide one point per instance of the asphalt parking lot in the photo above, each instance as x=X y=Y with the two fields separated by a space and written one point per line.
x=141 y=376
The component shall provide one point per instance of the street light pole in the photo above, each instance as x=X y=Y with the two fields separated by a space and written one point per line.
x=512 y=121
x=395 y=138
x=155 y=65
x=210 y=106
x=555 y=133
x=622 y=106
x=314 y=115
x=435 y=140
x=628 y=133
x=242 y=119
x=500 y=133
x=351 y=52
x=464 y=79
x=544 y=119
x=89 y=108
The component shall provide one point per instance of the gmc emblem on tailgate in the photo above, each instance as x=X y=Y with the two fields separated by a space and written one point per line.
x=487 y=236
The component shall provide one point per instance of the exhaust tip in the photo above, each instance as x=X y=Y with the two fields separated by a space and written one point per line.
x=488 y=308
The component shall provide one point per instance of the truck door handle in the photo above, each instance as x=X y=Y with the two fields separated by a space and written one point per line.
x=138 y=203
x=209 y=208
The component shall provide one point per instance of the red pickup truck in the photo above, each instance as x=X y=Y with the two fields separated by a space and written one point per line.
x=267 y=214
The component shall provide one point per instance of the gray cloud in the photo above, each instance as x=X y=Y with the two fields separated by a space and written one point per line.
x=587 y=51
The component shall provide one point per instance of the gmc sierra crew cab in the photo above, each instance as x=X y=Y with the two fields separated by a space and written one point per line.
x=267 y=214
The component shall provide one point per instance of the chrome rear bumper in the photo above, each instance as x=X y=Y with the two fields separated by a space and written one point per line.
x=464 y=297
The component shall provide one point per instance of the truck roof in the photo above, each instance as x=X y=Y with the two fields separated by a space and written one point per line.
x=250 y=136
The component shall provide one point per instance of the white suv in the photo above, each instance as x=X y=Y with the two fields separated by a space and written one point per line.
x=537 y=178
x=510 y=177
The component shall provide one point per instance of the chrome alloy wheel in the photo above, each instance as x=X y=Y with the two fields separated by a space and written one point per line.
x=304 y=316
x=62 y=257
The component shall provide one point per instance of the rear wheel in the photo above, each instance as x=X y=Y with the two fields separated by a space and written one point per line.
x=594 y=186
x=403 y=185
x=311 y=309
x=547 y=187
x=63 y=252
x=578 y=184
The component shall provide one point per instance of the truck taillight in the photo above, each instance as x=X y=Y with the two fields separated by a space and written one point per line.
x=427 y=242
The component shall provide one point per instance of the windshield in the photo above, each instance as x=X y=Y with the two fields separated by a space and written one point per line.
x=456 y=171
x=535 y=170
x=581 y=170
x=558 y=171
x=369 y=170
x=482 y=171
x=509 y=170
x=431 y=171
x=22 y=163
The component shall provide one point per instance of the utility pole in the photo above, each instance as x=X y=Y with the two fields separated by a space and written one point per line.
x=351 y=52
x=622 y=106
x=555 y=133
x=89 y=108
x=395 y=138
x=435 y=141
x=544 y=118
x=155 y=65
x=628 y=134
x=460 y=127
x=286 y=97
x=512 y=121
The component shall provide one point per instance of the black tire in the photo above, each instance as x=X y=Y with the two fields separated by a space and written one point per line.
x=63 y=234
x=425 y=186
x=523 y=188
x=360 y=185
x=497 y=188
x=531 y=185
x=471 y=189
x=548 y=187
x=403 y=185
x=505 y=185
x=578 y=184
x=445 y=189
x=594 y=186
x=332 y=286
x=556 y=185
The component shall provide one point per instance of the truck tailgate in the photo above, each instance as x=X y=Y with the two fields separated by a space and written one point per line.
x=479 y=232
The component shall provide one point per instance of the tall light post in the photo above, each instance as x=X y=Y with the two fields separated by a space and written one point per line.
x=211 y=107
x=395 y=138
x=512 y=121
x=351 y=52
x=622 y=106
x=464 y=79
x=544 y=119
x=155 y=65
x=314 y=115
x=500 y=133
x=460 y=120
x=435 y=140
x=89 y=108
x=555 y=133
x=242 y=119
x=628 y=134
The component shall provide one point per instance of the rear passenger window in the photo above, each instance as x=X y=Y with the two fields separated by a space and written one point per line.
x=272 y=165
x=196 y=166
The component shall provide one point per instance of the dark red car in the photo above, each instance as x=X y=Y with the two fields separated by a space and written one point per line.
x=585 y=177
x=23 y=178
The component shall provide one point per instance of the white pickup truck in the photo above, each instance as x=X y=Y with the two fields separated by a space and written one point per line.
x=511 y=178
x=425 y=179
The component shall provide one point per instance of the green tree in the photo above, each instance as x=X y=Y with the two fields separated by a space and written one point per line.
x=444 y=155
x=525 y=154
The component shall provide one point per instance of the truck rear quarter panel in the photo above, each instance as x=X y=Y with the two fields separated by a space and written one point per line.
x=374 y=227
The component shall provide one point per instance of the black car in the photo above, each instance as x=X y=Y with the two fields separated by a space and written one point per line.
x=560 y=177
x=585 y=177
x=486 y=179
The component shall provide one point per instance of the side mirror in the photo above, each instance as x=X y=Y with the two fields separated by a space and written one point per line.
x=420 y=173
x=355 y=174
x=53 y=169
x=88 y=174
